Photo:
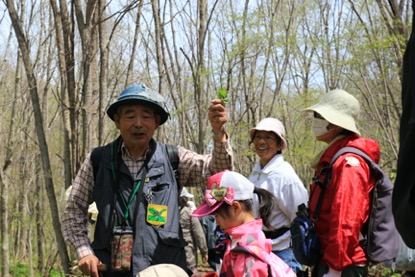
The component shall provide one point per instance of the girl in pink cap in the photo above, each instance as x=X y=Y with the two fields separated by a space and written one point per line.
x=229 y=196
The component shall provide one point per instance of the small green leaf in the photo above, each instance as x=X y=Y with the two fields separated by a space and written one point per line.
x=223 y=95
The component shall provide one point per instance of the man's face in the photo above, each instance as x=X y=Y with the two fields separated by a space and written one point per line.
x=137 y=124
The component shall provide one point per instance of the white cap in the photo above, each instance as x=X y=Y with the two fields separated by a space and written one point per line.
x=270 y=124
x=185 y=193
x=224 y=187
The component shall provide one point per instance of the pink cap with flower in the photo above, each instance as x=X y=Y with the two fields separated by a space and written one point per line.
x=224 y=187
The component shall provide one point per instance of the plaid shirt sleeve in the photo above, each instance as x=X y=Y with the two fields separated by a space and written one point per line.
x=74 y=220
x=195 y=168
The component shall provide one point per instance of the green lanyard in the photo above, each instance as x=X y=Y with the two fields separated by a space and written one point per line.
x=137 y=186
x=127 y=207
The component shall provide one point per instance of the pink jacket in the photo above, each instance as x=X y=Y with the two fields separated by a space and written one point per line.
x=249 y=253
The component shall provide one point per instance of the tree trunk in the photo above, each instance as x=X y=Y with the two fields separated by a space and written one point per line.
x=103 y=72
x=4 y=179
x=130 y=68
x=200 y=82
x=4 y=189
x=159 y=33
x=22 y=209
x=39 y=207
x=88 y=32
x=66 y=90
x=43 y=147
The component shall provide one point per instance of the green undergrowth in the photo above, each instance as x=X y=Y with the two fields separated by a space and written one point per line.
x=23 y=270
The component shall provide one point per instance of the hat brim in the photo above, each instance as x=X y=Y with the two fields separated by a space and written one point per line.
x=128 y=101
x=343 y=121
x=205 y=209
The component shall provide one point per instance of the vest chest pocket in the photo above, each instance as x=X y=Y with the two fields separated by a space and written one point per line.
x=158 y=193
x=161 y=197
x=157 y=189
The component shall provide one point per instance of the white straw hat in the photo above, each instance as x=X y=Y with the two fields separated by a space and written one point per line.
x=339 y=108
x=271 y=125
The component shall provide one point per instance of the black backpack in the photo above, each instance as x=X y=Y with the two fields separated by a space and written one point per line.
x=381 y=238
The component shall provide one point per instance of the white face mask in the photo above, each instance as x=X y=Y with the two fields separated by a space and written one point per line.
x=320 y=127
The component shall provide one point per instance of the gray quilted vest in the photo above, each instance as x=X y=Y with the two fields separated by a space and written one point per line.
x=152 y=244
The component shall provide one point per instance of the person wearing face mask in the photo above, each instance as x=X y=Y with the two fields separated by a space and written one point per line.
x=276 y=175
x=345 y=205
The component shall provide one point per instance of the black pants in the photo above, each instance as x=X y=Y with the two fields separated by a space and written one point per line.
x=350 y=271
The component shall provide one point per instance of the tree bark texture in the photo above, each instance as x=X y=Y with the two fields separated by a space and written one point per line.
x=43 y=147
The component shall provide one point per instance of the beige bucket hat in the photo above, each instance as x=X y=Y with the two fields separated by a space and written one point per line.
x=271 y=125
x=339 y=108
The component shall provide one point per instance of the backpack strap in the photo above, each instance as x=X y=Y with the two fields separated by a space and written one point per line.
x=374 y=167
x=173 y=154
x=96 y=156
x=327 y=170
x=354 y=150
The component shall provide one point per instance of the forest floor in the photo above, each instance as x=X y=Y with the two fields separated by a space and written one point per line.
x=374 y=271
